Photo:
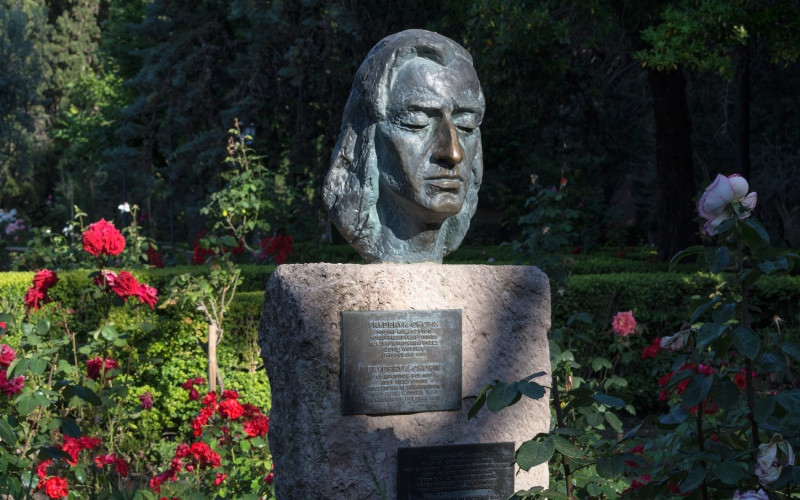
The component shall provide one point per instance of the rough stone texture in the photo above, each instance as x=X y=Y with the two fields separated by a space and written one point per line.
x=318 y=453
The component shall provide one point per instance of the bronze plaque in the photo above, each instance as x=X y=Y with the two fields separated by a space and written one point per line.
x=468 y=471
x=400 y=361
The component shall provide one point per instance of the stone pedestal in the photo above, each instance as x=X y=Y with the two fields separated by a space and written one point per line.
x=318 y=452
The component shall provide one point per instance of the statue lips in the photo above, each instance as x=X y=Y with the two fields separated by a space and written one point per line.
x=447 y=183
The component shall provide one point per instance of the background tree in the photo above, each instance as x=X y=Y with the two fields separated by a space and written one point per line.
x=22 y=27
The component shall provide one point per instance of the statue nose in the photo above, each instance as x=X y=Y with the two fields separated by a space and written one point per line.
x=448 y=149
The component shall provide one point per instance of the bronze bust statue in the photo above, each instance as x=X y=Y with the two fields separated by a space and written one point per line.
x=405 y=172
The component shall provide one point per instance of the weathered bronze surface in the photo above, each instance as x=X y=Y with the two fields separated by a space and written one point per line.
x=405 y=173
x=400 y=361
x=482 y=471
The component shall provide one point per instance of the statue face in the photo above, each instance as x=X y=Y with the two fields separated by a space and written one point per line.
x=427 y=145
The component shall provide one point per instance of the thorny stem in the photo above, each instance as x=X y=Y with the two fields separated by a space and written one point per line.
x=748 y=376
x=560 y=421
x=701 y=444
x=35 y=425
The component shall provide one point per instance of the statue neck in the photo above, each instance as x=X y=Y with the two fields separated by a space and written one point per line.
x=407 y=239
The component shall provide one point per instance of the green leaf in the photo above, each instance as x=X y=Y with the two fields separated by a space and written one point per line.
x=80 y=473
x=772 y=362
x=565 y=447
x=717 y=259
x=725 y=394
x=729 y=472
x=478 y=404
x=610 y=467
x=532 y=453
x=18 y=367
x=746 y=341
x=697 y=390
x=724 y=313
x=37 y=366
x=70 y=428
x=26 y=403
x=607 y=400
x=790 y=401
x=708 y=333
x=600 y=362
x=7 y=434
x=703 y=308
x=84 y=393
x=109 y=333
x=614 y=421
x=763 y=409
x=42 y=327
x=694 y=479
x=583 y=317
x=694 y=250
x=673 y=418
x=757 y=236
x=553 y=495
x=531 y=389
x=502 y=395
x=791 y=349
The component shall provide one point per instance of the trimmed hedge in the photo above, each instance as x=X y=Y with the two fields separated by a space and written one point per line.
x=172 y=352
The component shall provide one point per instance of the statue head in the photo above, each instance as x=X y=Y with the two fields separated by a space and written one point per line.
x=405 y=172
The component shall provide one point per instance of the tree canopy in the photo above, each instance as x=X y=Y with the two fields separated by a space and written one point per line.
x=634 y=105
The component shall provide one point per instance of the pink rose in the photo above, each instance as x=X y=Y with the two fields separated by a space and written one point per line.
x=11 y=386
x=716 y=205
x=623 y=323
x=7 y=355
x=751 y=495
x=771 y=458
x=673 y=343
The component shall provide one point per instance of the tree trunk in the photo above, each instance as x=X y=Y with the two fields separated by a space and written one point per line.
x=744 y=115
x=213 y=366
x=674 y=170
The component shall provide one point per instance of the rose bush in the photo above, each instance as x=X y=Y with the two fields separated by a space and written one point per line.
x=740 y=377
x=224 y=455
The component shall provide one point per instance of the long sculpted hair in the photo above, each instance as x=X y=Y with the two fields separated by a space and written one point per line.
x=352 y=185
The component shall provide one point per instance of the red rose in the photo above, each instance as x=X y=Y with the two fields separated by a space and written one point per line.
x=146 y=400
x=230 y=395
x=209 y=399
x=34 y=298
x=95 y=366
x=258 y=426
x=204 y=455
x=125 y=285
x=101 y=460
x=121 y=466
x=11 y=386
x=154 y=257
x=270 y=478
x=230 y=408
x=279 y=247
x=56 y=487
x=102 y=238
x=106 y=279
x=44 y=279
x=7 y=355
x=41 y=470
x=220 y=477
x=147 y=295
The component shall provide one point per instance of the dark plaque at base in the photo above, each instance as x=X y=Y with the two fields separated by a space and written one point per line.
x=400 y=361
x=468 y=471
